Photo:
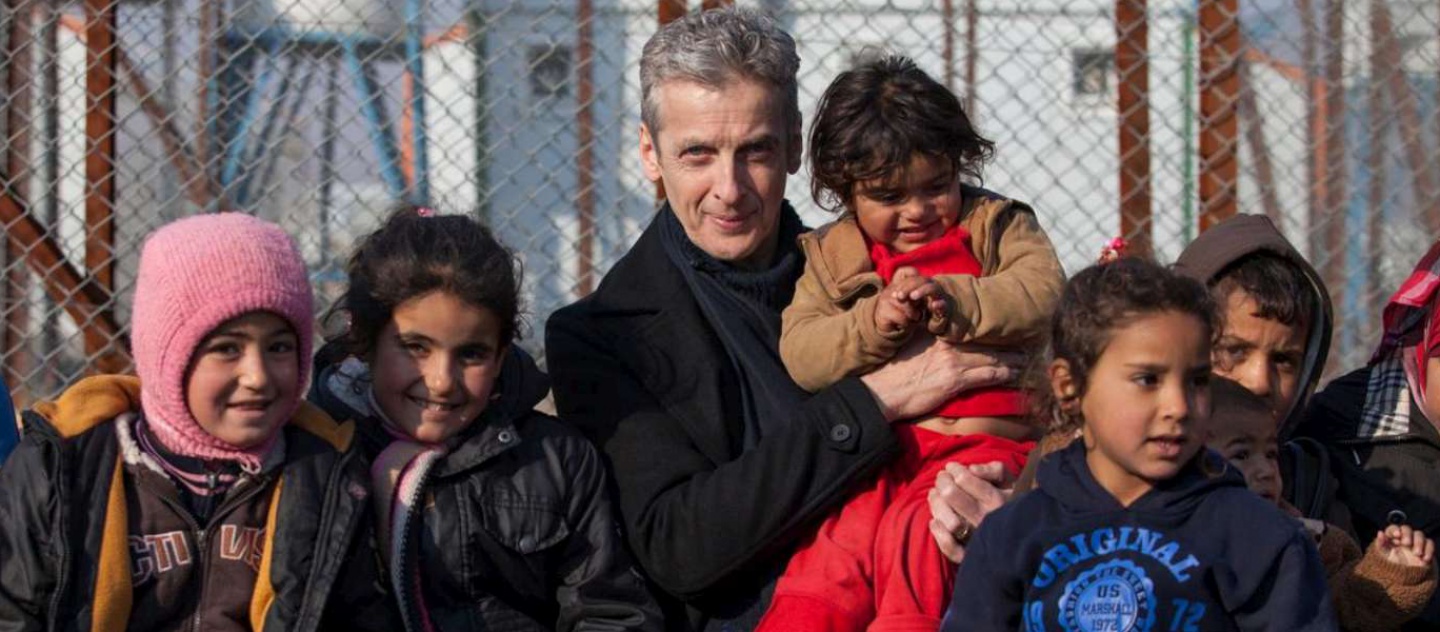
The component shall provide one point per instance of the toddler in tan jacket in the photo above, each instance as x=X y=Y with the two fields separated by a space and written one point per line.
x=915 y=254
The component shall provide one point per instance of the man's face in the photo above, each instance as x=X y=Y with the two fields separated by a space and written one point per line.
x=1263 y=355
x=723 y=155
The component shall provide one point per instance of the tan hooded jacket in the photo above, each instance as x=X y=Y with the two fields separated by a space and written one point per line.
x=829 y=330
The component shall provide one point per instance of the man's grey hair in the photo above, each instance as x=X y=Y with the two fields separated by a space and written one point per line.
x=715 y=47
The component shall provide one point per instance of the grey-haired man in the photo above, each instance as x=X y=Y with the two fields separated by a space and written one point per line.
x=722 y=463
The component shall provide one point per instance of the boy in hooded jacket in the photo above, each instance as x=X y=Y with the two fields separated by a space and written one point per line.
x=1275 y=341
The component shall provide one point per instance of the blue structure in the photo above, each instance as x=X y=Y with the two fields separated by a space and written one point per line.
x=262 y=53
x=9 y=428
x=1361 y=262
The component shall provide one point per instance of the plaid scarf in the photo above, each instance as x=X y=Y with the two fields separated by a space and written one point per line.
x=1412 y=336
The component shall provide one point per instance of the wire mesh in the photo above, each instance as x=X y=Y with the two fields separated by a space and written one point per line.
x=1149 y=118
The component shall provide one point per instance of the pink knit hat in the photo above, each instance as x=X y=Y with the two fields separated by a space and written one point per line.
x=195 y=274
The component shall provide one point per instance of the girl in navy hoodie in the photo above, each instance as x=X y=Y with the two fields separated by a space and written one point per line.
x=1136 y=527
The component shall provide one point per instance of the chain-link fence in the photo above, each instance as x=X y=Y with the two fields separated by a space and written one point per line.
x=1154 y=118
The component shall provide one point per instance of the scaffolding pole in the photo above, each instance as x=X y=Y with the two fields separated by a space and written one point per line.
x=1132 y=66
x=1219 y=97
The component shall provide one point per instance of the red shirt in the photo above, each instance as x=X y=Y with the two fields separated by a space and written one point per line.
x=951 y=255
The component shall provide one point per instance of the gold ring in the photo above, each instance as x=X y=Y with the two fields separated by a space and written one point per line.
x=965 y=532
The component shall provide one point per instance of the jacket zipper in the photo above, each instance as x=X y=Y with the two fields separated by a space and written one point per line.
x=202 y=534
x=204 y=580
x=211 y=482
x=195 y=529
x=256 y=486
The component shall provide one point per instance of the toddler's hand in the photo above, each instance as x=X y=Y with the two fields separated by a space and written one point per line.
x=893 y=315
x=938 y=308
x=1405 y=546
x=907 y=300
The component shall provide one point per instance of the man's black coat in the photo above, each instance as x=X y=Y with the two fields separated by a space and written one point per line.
x=636 y=366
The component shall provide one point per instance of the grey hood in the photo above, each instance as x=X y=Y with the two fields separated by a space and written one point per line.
x=1244 y=235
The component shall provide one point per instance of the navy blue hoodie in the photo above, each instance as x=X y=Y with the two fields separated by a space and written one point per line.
x=1197 y=552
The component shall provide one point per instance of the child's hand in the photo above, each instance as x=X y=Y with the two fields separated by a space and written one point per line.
x=1405 y=546
x=907 y=300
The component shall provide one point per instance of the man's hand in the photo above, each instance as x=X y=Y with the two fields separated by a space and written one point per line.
x=929 y=372
x=960 y=500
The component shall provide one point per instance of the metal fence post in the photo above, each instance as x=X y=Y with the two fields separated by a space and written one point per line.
x=1219 y=91
x=1132 y=67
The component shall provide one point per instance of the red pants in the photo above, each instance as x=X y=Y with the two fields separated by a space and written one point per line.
x=874 y=564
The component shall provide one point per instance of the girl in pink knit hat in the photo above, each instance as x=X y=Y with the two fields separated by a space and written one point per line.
x=491 y=514
x=203 y=492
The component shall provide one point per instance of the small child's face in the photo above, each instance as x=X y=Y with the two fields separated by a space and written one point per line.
x=1246 y=438
x=244 y=379
x=1145 y=403
x=911 y=211
x=435 y=365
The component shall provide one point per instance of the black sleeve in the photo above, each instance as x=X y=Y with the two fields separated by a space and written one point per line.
x=692 y=522
x=599 y=588
x=27 y=516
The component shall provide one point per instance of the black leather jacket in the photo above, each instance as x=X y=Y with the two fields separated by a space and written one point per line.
x=519 y=532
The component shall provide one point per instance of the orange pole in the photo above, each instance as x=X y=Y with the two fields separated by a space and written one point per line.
x=1378 y=133
x=1319 y=164
x=87 y=303
x=1219 y=96
x=458 y=32
x=1132 y=52
x=947 y=17
x=585 y=158
x=972 y=22
x=1422 y=174
x=1337 y=194
x=407 y=129
x=17 y=174
x=1314 y=124
x=196 y=181
x=667 y=12
x=209 y=29
x=671 y=10
x=100 y=91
